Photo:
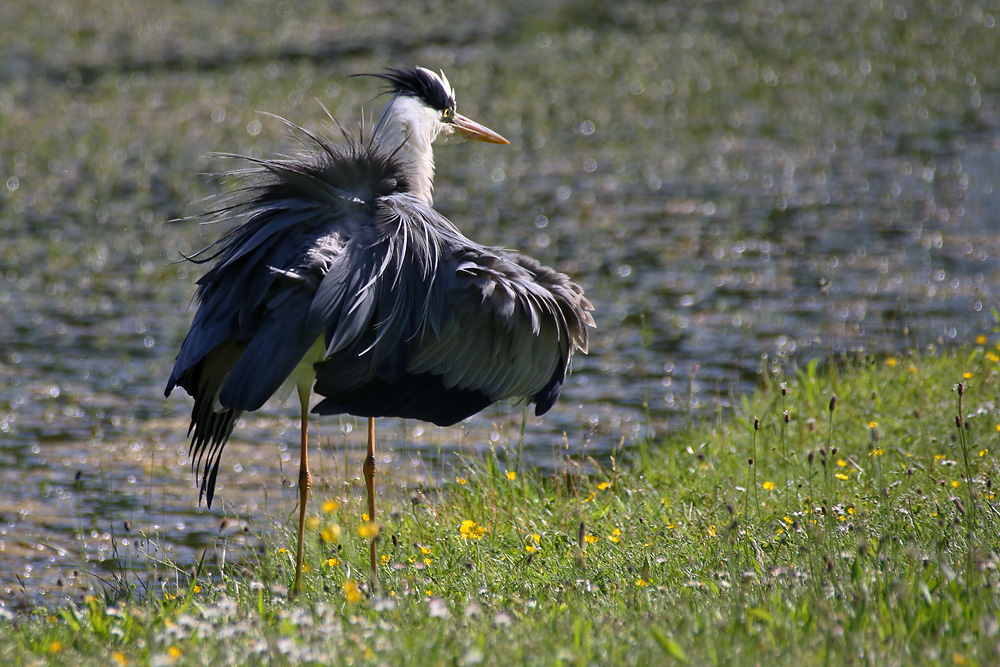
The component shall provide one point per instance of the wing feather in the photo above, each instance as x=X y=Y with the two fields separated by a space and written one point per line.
x=481 y=320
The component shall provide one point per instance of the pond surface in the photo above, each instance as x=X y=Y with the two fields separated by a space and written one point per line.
x=738 y=186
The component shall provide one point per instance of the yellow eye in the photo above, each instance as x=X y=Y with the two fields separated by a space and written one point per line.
x=448 y=114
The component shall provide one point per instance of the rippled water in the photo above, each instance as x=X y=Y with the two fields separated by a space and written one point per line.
x=736 y=186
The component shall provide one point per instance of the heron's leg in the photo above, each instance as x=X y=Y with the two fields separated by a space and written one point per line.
x=369 y=470
x=305 y=483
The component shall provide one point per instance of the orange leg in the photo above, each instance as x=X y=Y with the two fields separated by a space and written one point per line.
x=305 y=483
x=369 y=471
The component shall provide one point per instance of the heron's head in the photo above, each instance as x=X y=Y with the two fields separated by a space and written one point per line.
x=423 y=106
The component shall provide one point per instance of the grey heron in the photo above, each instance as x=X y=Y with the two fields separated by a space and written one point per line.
x=338 y=277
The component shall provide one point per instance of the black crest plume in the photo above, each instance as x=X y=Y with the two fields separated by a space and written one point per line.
x=421 y=83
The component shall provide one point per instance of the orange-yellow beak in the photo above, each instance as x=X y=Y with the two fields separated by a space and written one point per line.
x=472 y=130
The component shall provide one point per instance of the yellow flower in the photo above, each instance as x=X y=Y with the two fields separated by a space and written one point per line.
x=641 y=583
x=282 y=550
x=196 y=589
x=55 y=647
x=425 y=550
x=428 y=562
x=891 y=362
x=591 y=496
x=590 y=539
x=873 y=424
x=981 y=339
x=967 y=375
x=470 y=530
x=991 y=356
x=368 y=530
x=511 y=475
x=912 y=369
x=789 y=520
x=711 y=529
x=351 y=591
x=851 y=510
x=955 y=483
x=173 y=653
x=330 y=506
x=312 y=523
x=841 y=462
x=119 y=658
x=386 y=558
x=331 y=533
x=841 y=476
x=333 y=562
x=616 y=535
x=984 y=451
x=364 y=516
x=941 y=457
x=306 y=568
x=768 y=486
x=530 y=548
x=603 y=485
x=461 y=480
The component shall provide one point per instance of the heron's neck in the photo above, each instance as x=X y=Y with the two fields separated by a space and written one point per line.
x=409 y=131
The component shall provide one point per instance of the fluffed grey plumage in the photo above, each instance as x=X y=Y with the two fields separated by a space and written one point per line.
x=415 y=319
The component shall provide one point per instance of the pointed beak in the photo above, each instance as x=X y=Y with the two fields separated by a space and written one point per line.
x=472 y=130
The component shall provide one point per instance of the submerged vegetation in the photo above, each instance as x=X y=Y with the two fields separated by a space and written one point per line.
x=843 y=515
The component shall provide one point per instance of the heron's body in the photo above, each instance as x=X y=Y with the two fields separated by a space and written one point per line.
x=341 y=278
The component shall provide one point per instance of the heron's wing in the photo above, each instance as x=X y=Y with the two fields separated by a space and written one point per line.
x=251 y=329
x=445 y=326
x=510 y=329
x=280 y=225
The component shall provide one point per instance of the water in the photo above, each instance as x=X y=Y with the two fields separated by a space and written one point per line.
x=736 y=187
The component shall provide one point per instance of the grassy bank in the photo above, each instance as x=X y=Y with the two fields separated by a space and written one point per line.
x=806 y=529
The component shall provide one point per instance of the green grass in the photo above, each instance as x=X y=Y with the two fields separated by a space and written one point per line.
x=867 y=536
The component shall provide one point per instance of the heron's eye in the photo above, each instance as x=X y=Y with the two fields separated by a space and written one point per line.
x=447 y=114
